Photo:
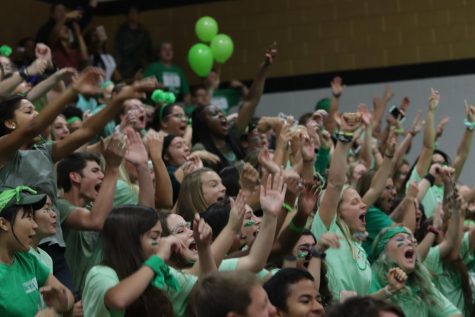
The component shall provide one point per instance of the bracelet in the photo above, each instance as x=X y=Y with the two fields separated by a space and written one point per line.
x=469 y=125
x=318 y=254
x=24 y=74
x=387 y=292
x=287 y=207
x=430 y=178
x=294 y=228
x=344 y=137
x=433 y=230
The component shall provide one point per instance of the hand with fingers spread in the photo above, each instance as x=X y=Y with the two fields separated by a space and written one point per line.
x=365 y=114
x=266 y=161
x=206 y=156
x=202 y=232
x=350 y=121
x=417 y=124
x=88 y=81
x=396 y=279
x=337 y=86
x=328 y=240
x=115 y=150
x=434 y=99
x=138 y=89
x=273 y=194
x=439 y=130
x=155 y=143
x=136 y=154
x=388 y=94
x=308 y=198
x=238 y=210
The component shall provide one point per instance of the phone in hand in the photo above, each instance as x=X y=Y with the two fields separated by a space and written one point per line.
x=397 y=113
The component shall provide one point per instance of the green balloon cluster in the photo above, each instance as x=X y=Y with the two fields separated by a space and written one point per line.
x=202 y=56
x=160 y=96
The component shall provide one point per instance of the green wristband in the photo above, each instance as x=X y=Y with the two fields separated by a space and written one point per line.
x=287 y=207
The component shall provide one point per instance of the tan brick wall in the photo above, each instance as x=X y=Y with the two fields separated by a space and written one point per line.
x=313 y=36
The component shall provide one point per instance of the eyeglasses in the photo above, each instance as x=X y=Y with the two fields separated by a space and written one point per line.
x=179 y=116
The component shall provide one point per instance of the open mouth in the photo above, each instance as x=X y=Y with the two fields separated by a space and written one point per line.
x=409 y=254
x=97 y=188
x=192 y=247
x=362 y=218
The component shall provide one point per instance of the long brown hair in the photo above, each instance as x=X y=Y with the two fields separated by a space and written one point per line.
x=123 y=252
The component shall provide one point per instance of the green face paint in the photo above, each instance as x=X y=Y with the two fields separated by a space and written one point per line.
x=154 y=243
x=249 y=223
x=302 y=254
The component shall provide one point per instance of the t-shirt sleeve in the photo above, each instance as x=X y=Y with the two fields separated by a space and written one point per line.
x=42 y=271
x=414 y=177
x=445 y=307
x=124 y=194
x=98 y=281
x=229 y=264
x=65 y=209
x=319 y=228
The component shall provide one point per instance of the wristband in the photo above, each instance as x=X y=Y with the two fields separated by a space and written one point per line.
x=469 y=125
x=163 y=278
x=24 y=74
x=344 y=137
x=287 y=207
x=318 y=254
x=430 y=178
x=294 y=228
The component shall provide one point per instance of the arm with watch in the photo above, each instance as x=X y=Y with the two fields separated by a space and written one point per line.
x=38 y=67
x=327 y=240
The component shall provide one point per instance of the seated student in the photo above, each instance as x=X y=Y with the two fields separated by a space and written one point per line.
x=231 y=294
x=22 y=276
x=142 y=285
x=292 y=291
x=365 y=306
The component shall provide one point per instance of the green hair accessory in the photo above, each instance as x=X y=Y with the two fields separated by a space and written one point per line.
x=323 y=104
x=73 y=119
x=160 y=96
x=106 y=84
x=382 y=240
x=13 y=193
x=163 y=278
x=5 y=50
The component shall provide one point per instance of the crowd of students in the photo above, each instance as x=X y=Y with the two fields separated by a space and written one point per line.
x=112 y=204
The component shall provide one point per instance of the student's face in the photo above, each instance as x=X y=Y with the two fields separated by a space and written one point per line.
x=303 y=300
x=24 y=114
x=7 y=65
x=403 y=171
x=58 y=12
x=175 y=122
x=76 y=125
x=91 y=181
x=24 y=228
x=250 y=227
x=212 y=187
x=260 y=305
x=45 y=218
x=135 y=107
x=216 y=121
x=439 y=159
x=358 y=171
x=178 y=152
x=60 y=128
x=179 y=228
x=387 y=196
x=401 y=250
x=149 y=240
x=304 y=245
x=353 y=210
x=166 y=52
x=201 y=97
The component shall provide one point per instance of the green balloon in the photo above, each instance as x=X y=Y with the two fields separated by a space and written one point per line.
x=222 y=47
x=200 y=59
x=206 y=28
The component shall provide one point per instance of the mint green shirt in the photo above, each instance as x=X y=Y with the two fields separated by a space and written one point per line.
x=433 y=196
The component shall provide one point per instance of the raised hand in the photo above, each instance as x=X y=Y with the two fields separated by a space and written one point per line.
x=307 y=149
x=88 y=81
x=168 y=246
x=65 y=73
x=337 y=86
x=115 y=150
x=412 y=190
x=43 y=51
x=439 y=130
x=434 y=99
x=238 y=210
x=155 y=143
x=249 y=178
x=417 y=124
x=206 y=156
x=38 y=67
x=350 y=122
x=365 y=114
x=201 y=232
x=396 y=279
x=325 y=139
x=388 y=93
x=469 y=111
x=391 y=143
x=270 y=55
x=266 y=161
x=138 y=89
x=273 y=194
x=308 y=198
x=136 y=154
x=328 y=240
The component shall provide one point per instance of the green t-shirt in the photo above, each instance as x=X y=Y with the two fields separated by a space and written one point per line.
x=19 y=285
x=413 y=306
x=171 y=77
x=231 y=265
x=433 y=196
x=376 y=220
x=344 y=272
x=84 y=248
x=226 y=98
x=102 y=278
x=124 y=194
x=34 y=168
x=447 y=280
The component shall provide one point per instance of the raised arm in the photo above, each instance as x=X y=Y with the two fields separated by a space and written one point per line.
x=96 y=123
x=466 y=143
x=428 y=145
x=83 y=219
x=255 y=92
x=203 y=235
x=327 y=240
x=49 y=83
x=336 y=179
x=163 y=184
x=337 y=90
x=36 y=68
x=405 y=212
